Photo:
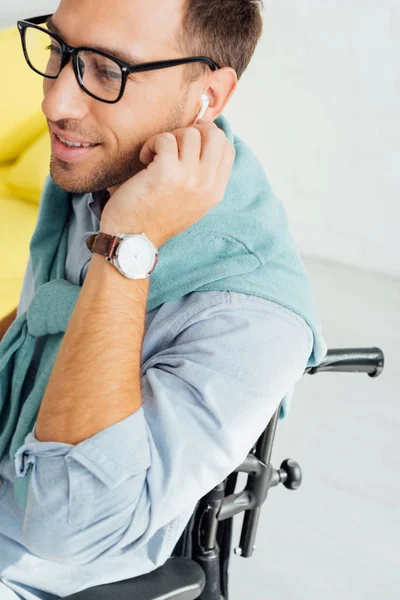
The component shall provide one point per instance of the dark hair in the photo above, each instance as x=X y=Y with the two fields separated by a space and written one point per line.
x=225 y=30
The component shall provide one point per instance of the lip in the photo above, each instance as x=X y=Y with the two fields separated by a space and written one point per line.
x=62 y=152
x=67 y=136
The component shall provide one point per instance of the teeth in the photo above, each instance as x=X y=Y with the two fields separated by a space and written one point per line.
x=73 y=144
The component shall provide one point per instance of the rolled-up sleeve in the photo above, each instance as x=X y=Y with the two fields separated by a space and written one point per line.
x=207 y=395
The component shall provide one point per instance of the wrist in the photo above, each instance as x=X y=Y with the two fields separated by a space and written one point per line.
x=103 y=275
x=112 y=228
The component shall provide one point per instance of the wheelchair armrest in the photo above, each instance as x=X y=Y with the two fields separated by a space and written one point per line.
x=178 y=579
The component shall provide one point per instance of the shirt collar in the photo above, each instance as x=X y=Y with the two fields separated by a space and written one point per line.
x=97 y=201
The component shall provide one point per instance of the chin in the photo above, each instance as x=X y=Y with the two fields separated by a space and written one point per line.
x=66 y=176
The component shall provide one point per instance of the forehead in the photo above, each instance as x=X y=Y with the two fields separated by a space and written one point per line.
x=144 y=28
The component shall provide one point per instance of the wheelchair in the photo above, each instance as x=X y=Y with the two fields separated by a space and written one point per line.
x=199 y=565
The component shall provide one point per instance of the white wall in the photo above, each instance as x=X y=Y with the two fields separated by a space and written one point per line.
x=319 y=105
x=22 y=9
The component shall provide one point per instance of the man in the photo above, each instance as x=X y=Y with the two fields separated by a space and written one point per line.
x=151 y=400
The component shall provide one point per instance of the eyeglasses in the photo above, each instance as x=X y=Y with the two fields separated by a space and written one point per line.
x=99 y=74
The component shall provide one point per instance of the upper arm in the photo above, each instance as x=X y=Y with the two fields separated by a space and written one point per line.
x=209 y=395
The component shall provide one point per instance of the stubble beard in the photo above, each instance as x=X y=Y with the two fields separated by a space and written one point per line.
x=113 y=170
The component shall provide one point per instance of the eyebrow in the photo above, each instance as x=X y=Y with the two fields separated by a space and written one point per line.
x=124 y=56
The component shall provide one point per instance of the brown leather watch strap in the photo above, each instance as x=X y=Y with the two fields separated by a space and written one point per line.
x=103 y=244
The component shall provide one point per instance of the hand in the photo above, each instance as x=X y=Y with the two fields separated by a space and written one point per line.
x=187 y=174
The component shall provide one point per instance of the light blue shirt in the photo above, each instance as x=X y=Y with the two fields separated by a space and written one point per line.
x=215 y=366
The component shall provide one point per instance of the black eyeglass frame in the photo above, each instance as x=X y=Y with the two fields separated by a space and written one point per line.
x=126 y=68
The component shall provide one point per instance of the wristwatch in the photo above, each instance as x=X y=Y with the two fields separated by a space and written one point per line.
x=133 y=255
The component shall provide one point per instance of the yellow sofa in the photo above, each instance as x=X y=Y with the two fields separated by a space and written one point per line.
x=24 y=164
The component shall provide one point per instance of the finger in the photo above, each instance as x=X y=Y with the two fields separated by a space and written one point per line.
x=162 y=143
x=189 y=145
x=214 y=142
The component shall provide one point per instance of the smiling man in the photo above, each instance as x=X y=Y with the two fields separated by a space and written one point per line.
x=165 y=311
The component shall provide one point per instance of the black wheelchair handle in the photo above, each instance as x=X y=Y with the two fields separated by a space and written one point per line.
x=354 y=360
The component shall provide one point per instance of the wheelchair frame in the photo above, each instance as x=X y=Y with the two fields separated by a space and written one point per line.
x=198 y=566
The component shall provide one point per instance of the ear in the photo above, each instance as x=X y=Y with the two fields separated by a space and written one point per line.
x=219 y=88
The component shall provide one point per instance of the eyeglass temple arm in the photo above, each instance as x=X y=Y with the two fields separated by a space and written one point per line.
x=152 y=66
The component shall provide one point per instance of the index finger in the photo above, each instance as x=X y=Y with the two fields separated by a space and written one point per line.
x=161 y=143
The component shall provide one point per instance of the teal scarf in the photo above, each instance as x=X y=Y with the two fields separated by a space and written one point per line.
x=243 y=245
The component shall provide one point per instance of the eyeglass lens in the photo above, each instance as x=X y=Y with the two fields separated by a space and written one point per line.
x=101 y=76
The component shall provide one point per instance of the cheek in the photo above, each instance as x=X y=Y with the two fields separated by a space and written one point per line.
x=155 y=97
x=127 y=122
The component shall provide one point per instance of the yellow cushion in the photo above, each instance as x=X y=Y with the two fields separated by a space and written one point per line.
x=21 y=117
x=17 y=224
x=26 y=177
x=4 y=171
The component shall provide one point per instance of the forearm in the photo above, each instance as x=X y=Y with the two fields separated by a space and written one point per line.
x=95 y=381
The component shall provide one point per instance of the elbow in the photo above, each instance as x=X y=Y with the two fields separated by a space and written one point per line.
x=62 y=552
x=55 y=557
x=51 y=550
x=106 y=534
x=49 y=545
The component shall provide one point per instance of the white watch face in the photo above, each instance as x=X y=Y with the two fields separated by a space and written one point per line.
x=135 y=256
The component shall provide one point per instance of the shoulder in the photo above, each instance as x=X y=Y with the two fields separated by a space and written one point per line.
x=231 y=331
x=241 y=308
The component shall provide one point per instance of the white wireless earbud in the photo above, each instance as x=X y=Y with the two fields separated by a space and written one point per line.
x=205 y=101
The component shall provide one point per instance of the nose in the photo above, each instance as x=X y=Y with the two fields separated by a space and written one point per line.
x=63 y=98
